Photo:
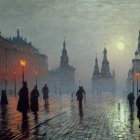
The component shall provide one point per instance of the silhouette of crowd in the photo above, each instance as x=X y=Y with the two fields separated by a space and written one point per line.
x=23 y=102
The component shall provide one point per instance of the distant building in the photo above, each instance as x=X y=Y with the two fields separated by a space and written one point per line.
x=12 y=50
x=132 y=81
x=62 y=79
x=103 y=81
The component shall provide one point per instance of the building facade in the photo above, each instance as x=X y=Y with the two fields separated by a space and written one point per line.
x=132 y=82
x=103 y=81
x=62 y=79
x=12 y=50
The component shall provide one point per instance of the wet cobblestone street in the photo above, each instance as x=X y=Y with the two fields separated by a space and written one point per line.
x=104 y=117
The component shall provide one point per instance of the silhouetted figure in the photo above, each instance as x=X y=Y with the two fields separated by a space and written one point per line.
x=119 y=106
x=45 y=91
x=3 y=97
x=79 y=95
x=138 y=106
x=72 y=95
x=34 y=100
x=23 y=103
x=131 y=99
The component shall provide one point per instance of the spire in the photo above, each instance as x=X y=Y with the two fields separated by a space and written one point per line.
x=64 y=48
x=105 y=70
x=96 y=72
x=64 y=57
x=105 y=54
x=139 y=42
x=17 y=33
x=64 y=43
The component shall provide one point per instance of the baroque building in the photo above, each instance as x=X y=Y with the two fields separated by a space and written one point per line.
x=132 y=82
x=12 y=50
x=62 y=79
x=103 y=81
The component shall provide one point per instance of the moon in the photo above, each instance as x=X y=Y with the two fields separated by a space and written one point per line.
x=121 y=46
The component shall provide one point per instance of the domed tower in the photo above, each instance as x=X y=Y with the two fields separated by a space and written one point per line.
x=96 y=72
x=105 y=70
x=96 y=77
x=64 y=58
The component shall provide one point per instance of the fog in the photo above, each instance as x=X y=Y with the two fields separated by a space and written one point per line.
x=88 y=27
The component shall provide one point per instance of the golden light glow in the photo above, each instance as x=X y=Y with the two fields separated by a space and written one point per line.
x=36 y=72
x=23 y=63
x=137 y=74
x=121 y=46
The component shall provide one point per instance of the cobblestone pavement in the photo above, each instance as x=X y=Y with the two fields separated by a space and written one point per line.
x=104 y=117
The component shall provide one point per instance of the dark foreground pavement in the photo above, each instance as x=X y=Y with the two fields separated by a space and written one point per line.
x=104 y=117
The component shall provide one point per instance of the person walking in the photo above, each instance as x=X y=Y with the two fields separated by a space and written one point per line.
x=23 y=102
x=45 y=91
x=131 y=98
x=138 y=106
x=79 y=95
x=34 y=100
x=4 y=100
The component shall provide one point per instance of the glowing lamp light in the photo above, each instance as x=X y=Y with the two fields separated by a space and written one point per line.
x=23 y=63
x=36 y=72
x=137 y=74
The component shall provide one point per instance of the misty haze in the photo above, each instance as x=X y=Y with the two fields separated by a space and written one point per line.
x=69 y=69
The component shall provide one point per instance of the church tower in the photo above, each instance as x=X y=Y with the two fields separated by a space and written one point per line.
x=105 y=70
x=96 y=72
x=64 y=58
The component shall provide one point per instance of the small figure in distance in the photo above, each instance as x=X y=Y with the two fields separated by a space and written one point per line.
x=45 y=91
x=131 y=98
x=34 y=100
x=4 y=100
x=23 y=102
x=79 y=95
x=138 y=106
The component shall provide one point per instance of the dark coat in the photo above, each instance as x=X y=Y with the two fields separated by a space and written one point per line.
x=45 y=91
x=80 y=93
x=34 y=100
x=23 y=102
x=131 y=98
x=3 y=97
x=138 y=106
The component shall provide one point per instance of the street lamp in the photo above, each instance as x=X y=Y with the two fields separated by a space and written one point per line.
x=137 y=76
x=36 y=74
x=23 y=63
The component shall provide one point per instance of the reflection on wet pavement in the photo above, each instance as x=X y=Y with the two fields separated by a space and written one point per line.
x=101 y=117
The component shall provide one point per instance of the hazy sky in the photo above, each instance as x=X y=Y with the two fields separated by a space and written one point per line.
x=88 y=26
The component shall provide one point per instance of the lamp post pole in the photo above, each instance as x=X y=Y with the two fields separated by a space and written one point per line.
x=23 y=63
x=36 y=74
x=133 y=80
x=36 y=79
x=137 y=84
x=22 y=74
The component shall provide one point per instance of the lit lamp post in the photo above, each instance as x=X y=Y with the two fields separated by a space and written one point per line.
x=137 y=76
x=36 y=74
x=23 y=63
